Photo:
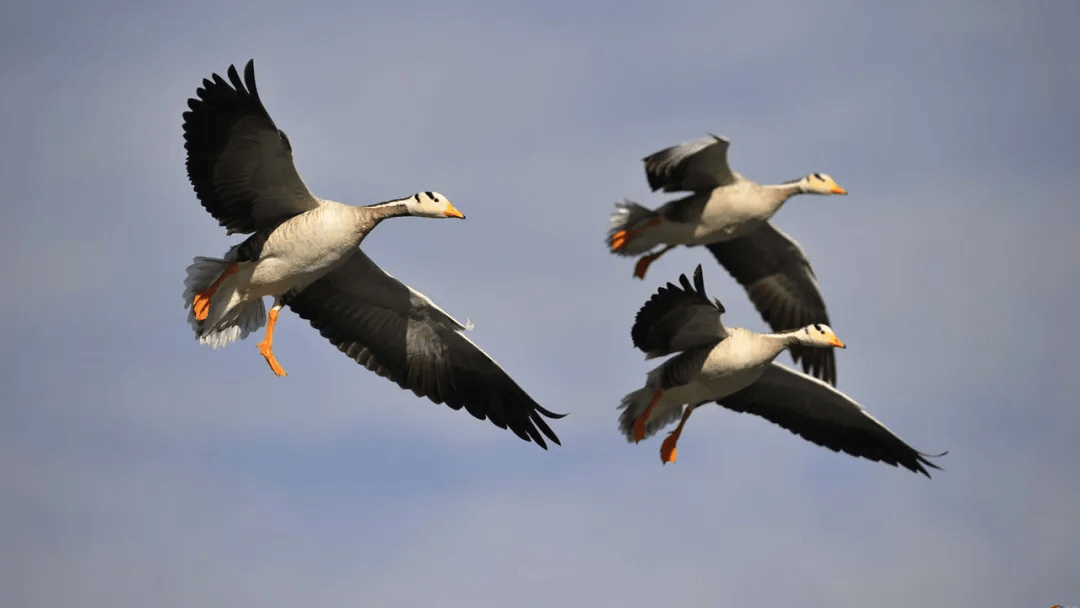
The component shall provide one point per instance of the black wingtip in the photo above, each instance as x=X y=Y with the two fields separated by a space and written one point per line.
x=921 y=459
x=685 y=282
x=249 y=78
x=551 y=415
x=234 y=78
x=699 y=287
x=538 y=428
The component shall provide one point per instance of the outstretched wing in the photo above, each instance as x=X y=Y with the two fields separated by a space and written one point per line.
x=400 y=334
x=239 y=163
x=676 y=319
x=694 y=166
x=781 y=284
x=823 y=415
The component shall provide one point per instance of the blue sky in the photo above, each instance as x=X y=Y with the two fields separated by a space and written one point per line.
x=141 y=468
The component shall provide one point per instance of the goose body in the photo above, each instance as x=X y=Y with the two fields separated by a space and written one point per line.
x=720 y=214
x=731 y=216
x=735 y=368
x=700 y=374
x=303 y=251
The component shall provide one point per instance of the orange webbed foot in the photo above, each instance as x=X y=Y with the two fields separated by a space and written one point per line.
x=639 y=423
x=643 y=266
x=201 y=303
x=620 y=239
x=667 y=449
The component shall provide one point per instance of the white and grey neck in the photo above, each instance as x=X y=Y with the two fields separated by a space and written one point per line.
x=371 y=215
x=776 y=195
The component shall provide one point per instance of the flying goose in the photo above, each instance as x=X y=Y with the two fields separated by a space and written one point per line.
x=734 y=367
x=730 y=215
x=303 y=251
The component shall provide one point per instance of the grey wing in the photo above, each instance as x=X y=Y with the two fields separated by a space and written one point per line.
x=693 y=166
x=683 y=368
x=238 y=162
x=402 y=335
x=686 y=210
x=780 y=282
x=676 y=319
x=823 y=415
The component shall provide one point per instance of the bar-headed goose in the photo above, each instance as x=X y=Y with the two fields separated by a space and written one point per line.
x=730 y=214
x=734 y=367
x=304 y=253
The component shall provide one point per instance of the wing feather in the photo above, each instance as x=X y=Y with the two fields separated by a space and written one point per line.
x=694 y=166
x=823 y=415
x=678 y=318
x=400 y=334
x=239 y=163
x=781 y=283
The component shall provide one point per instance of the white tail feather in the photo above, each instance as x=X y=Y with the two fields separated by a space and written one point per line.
x=628 y=215
x=223 y=325
x=634 y=404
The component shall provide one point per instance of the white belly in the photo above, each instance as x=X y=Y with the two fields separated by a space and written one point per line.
x=274 y=276
x=731 y=212
x=302 y=250
x=738 y=361
x=726 y=383
x=705 y=234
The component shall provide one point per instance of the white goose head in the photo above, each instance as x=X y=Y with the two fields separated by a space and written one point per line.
x=431 y=204
x=818 y=334
x=820 y=183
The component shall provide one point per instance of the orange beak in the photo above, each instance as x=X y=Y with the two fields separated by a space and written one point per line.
x=834 y=341
x=451 y=211
x=837 y=190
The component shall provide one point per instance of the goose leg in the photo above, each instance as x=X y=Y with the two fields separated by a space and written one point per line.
x=267 y=345
x=643 y=263
x=667 y=449
x=639 y=424
x=621 y=238
x=201 y=303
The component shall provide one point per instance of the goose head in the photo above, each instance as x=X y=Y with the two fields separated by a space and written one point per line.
x=818 y=334
x=820 y=183
x=431 y=204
